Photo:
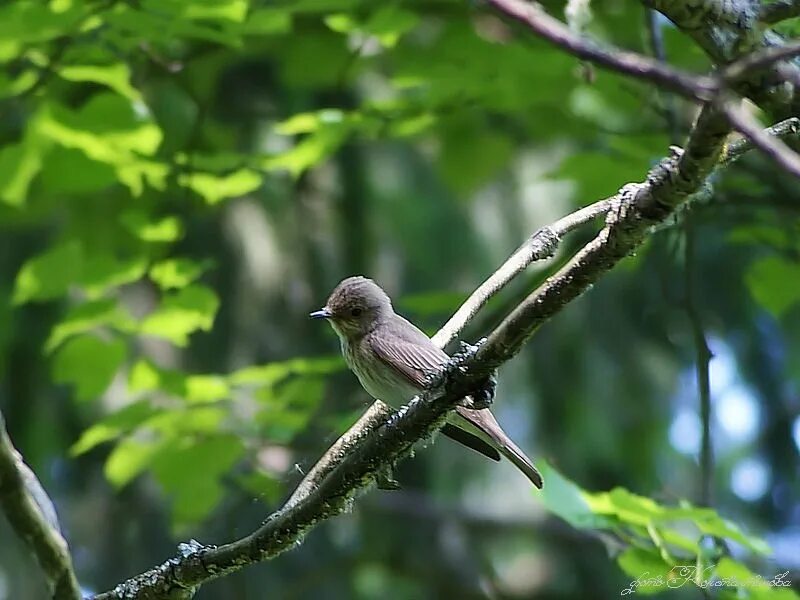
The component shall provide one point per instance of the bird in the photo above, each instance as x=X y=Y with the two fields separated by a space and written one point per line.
x=393 y=360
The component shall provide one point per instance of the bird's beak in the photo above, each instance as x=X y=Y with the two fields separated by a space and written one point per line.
x=323 y=313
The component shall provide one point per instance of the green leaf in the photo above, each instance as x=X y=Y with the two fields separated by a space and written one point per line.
x=214 y=188
x=88 y=316
x=210 y=10
x=272 y=373
x=774 y=282
x=116 y=76
x=88 y=363
x=268 y=21
x=389 y=23
x=107 y=129
x=182 y=313
x=196 y=419
x=773 y=586
x=19 y=164
x=312 y=150
x=176 y=273
x=49 y=274
x=195 y=490
x=650 y=573
x=129 y=458
x=567 y=500
x=103 y=271
x=206 y=388
x=23 y=23
x=113 y=426
x=287 y=410
x=164 y=229
x=67 y=171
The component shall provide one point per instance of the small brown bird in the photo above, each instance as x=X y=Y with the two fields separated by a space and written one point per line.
x=393 y=359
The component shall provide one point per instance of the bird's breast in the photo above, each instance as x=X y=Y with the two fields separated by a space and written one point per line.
x=376 y=377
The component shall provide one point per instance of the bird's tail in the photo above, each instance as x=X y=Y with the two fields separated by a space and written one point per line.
x=512 y=452
x=483 y=424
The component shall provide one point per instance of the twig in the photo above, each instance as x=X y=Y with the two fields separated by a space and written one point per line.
x=540 y=245
x=702 y=362
x=698 y=87
x=30 y=513
x=787 y=128
x=758 y=60
x=656 y=40
x=781 y=10
x=771 y=146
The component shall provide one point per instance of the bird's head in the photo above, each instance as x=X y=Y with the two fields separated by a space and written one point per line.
x=355 y=306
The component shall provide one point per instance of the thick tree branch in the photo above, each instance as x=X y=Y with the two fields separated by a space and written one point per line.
x=32 y=516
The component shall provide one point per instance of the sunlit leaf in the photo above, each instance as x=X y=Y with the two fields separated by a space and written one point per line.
x=272 y=373
x=19 y=164
x=182 y=313
x=176 y=273
x=162 y=229
x=129 y=457
x=649 y=574
x=310 y=151
x=567 y=500
x=116 y=76
x=775 y=586
x=88 y=316
x=104 y=271
x=89 y=364
x=108 y=129
x=211 y=10
x=214 y=188
x=49 y=274
x=24 y=23
x=113 y=426
x=196 y=419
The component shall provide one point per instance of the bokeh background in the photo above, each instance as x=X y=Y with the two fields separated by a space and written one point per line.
x=182 y=182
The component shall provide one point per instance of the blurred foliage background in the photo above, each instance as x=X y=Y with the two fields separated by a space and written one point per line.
x=182 y=182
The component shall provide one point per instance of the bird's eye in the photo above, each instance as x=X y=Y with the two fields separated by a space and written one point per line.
x=356 y=312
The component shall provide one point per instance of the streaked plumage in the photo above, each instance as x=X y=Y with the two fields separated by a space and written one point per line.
x=393 y=359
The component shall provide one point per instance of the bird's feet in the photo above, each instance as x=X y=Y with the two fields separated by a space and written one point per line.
x=386 y=481
x=484 y=396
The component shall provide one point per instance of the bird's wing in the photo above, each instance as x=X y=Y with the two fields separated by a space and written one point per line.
x=409 y=352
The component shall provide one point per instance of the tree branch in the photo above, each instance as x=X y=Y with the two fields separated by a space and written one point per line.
x=770 y=145
x=774 y=12
x=32 y=516
x=540 y=245
x=533 y=16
